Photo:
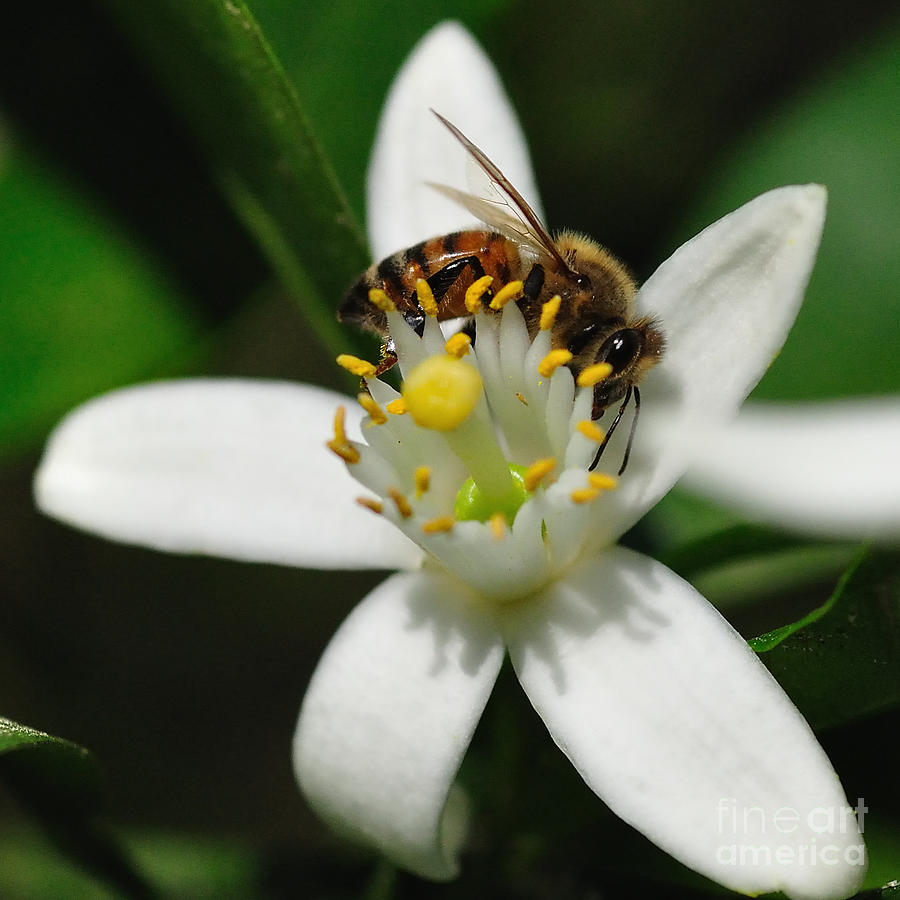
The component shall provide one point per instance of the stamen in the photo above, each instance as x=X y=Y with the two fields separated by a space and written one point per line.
x=537 y=471
x=376 y=413
x=346 y=452
x=379 y=298
x=356 y=366
x=397 y=407
x=400 y=502
x=552 y=361
x=425 y=296
x=591 y=431
x=375 y=505
x=475 y=293
x=458 y=345
x=549 y=311
x=438 y=525
x=340 y=444
x=441 y=392
x=505 y=294
x=422 y=477
x=521 y=398
x=594 y=374
x=584 y=495
x=497 y=523
x=340 y=419
x=602 y=482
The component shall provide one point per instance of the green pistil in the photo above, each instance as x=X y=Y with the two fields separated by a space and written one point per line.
x=472 y=505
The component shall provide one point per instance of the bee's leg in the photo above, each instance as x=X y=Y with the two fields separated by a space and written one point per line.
x=388 y=358
x=612 y=428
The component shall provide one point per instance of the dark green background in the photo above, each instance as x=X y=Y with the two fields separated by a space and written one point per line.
x=124 y=255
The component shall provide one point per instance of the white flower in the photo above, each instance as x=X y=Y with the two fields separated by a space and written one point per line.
x=661 y=706
x=827 y=468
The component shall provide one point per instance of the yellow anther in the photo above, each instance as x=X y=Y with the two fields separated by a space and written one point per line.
x=425 y=296
x=594 y=374
x=458 y=345
x=521 y=398
x=356 y=366
x=505 y=294
x=441 y=392
x=591 y=431
x=537 y=471
x=339 y=444
x=422 y=476
x=340 y=418
x=397 y=406
x=552 y=361
x=375 y=505
x=585 y=495
x=376 y=413
x=497 y=524
x=379 y=298
x=602 y=482
x=438 y=525
x=347 y=452
x=475 y=292
x=400 y=502
x=549 y=311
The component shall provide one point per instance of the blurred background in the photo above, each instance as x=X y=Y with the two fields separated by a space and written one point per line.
x=125 y=255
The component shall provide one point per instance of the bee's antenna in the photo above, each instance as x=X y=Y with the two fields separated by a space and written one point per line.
x=615 y=424
x=637 y=412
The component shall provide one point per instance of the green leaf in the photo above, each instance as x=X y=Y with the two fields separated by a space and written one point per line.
x=341 y=57
x=842 y=132
x=221 y=71
x=82 y=309
x=60 y=784
x=49 y=770
x=842 y=660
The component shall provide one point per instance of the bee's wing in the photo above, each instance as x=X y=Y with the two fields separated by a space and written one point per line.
x=496 y=202
x=494 y=213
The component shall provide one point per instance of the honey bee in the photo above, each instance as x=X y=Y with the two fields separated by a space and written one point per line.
x=595 y=323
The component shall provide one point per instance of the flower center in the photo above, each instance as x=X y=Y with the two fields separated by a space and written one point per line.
x=482 y=457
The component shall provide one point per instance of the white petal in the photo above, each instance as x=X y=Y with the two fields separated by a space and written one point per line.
x=222 y=467
x=828 y=468
x=669 y=716
x=726 y=301
x=389 y=714
x=449 y=72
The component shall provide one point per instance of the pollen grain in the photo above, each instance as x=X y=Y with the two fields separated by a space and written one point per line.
x=425 y=296
x=591 y=431
x=379 y=298
x=376 y=413
x=400 y=502
x=552 y=361
x=508 y=292
x=475 y=292
x=594 y=374
x=537 y=472
x=356 y=366
x=422 y=477
x=458 y=344
x=438 y=525
x=549 y=312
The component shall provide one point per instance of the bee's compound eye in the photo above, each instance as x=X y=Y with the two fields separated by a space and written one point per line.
x=621 y=349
